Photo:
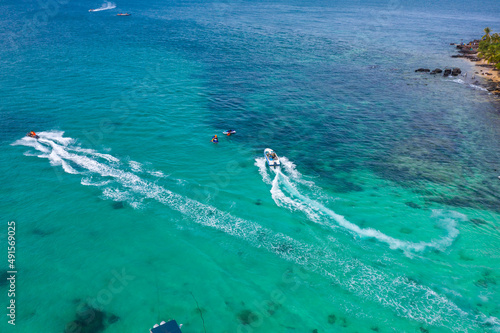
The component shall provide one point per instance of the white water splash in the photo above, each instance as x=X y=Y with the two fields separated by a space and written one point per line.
x=285 y=193
x=105 y=6
x=473 y=86
x=135 y=166
x=404 y=297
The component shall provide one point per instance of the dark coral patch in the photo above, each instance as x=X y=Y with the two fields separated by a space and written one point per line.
x=118 y=205
x=412 y=205
x=478 y=221
x=90 y=320
x=247 y=317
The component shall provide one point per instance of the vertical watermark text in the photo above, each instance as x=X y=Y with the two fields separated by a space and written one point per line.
x=11 y=272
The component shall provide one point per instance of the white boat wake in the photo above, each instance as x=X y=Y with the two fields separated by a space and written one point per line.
x=285 y=193
x=119 y=180
x=105 y=6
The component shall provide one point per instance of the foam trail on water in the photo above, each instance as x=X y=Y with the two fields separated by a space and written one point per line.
x=286 y=194
x=404 y=297
x=261 y=164
x=135 y=166
x=105 y=6
x=291 y=169
x=281 y=199
x=92 y=152
x=473 y=86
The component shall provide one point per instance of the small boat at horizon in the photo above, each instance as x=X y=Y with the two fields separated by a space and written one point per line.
x=271 y=158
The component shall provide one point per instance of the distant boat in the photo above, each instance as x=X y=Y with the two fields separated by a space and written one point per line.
x=91 y=10
x=123 y=14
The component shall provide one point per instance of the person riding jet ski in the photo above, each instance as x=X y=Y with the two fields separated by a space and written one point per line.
x=32 y=135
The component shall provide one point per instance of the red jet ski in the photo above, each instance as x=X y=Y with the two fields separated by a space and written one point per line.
x=33 y=135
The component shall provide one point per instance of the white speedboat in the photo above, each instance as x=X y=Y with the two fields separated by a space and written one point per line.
x=271 y=157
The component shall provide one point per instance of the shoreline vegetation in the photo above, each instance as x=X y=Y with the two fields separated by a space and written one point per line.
x=485 y=53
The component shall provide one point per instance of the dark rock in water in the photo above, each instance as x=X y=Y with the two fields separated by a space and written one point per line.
x=118 y=205
x=424 y=330
x=88 y=320
x=455 y=71
x=447 y=72
x=332 y=319
x=412 y=205
x=478 y=221
x=113 y=319
x=438 y=70
x=422 y=70
x=246 y=317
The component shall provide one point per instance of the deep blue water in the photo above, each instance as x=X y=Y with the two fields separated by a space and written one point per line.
x=383 y=217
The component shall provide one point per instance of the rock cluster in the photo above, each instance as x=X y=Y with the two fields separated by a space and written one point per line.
x=447 y=72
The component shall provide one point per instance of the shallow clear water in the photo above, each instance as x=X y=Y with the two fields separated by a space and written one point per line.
x=383 y=217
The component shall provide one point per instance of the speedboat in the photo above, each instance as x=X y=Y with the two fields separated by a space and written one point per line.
x=123 y=14
x=271 y=157
x=229 y=132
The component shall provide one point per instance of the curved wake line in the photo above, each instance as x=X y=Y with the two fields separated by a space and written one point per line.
x=286 y=194
x=404 y=297
x=105 y=6
x=473 y=86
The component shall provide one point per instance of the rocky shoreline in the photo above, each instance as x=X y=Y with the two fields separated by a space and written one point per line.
x=487 y=71
x=484 y=70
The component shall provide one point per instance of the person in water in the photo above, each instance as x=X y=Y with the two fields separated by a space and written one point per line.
x=215 y=139
x=32 y=134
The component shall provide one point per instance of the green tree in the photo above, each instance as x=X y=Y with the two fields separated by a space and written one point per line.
x=487 y=34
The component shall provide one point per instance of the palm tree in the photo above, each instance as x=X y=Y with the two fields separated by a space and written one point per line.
x=487 y=35
x=495 y=38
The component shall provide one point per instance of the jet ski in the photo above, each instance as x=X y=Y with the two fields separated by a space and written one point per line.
x=123 y=14
x=271 y=158
x=229 y=132
x=91 y=10
x=33 y=135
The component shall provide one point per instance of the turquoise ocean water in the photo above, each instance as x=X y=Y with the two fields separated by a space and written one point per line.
x=384 y=216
